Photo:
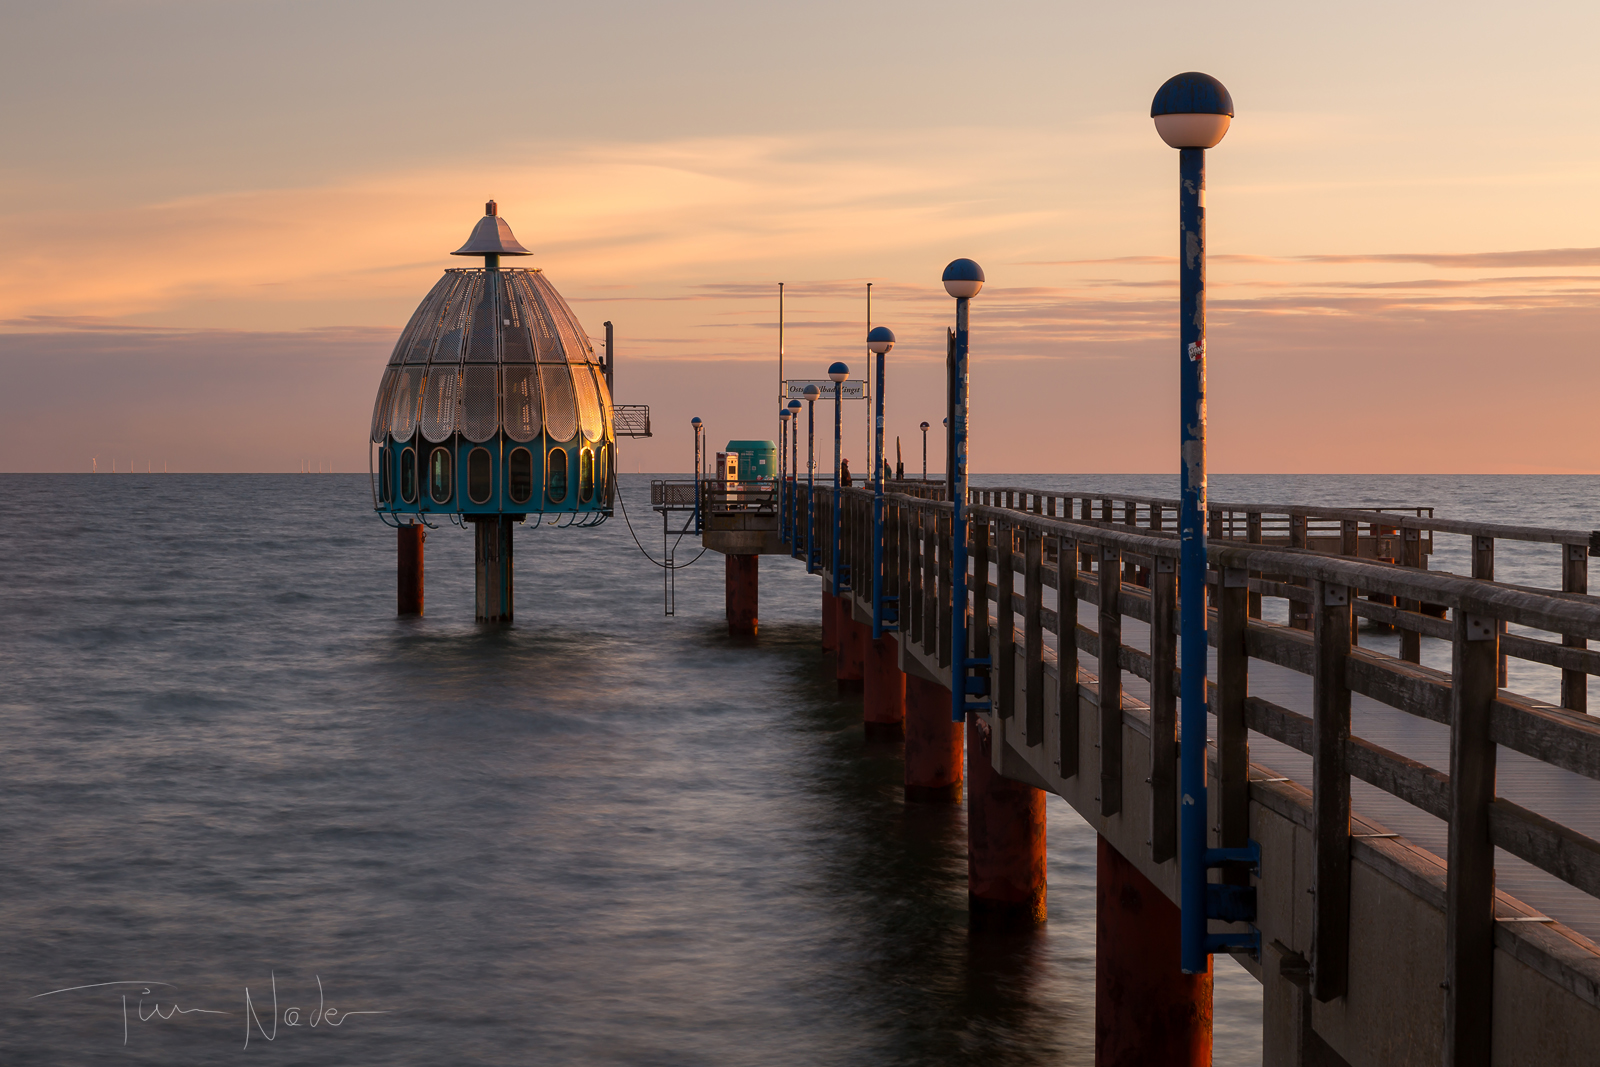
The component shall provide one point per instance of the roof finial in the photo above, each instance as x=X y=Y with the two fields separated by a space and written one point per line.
x=491 y=237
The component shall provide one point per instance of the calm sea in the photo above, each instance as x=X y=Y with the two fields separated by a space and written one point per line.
x=229 y=773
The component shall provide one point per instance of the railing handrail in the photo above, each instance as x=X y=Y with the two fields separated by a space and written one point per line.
x=1502 y=531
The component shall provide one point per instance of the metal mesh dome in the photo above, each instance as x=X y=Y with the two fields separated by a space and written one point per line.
x=462 y=364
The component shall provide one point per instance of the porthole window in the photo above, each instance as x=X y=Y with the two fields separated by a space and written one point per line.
x=385 y=476
x=585 y=476
x=439 y=464
x=408 y=476
x=603 y=473
x=556 y=475
x=519 y=481
x=480 y=475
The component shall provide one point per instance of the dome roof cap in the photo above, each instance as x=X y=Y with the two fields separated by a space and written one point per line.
x=492 y=237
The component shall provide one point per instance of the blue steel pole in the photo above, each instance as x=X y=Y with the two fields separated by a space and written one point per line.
x=783 y=431
x=811 y=480
x=838 y=457
x=1192 y=554
x=958 y=520
x=877 y=511
x=697 y=466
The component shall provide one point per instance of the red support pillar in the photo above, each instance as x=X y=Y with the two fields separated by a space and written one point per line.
x=933 y=745
x=410 y=570
x=492 y=566
x=743 y=576
x=852 y=638
x=884 y=688
x=830 y=620
x=1005 y=840
x=1146 y=1010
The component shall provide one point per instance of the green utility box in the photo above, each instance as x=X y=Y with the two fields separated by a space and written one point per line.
x=758 y=460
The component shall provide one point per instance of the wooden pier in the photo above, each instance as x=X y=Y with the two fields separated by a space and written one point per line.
x=1374 y=950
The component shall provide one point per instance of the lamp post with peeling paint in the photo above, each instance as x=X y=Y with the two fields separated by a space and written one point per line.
x=784 y=415
x=1192 y=112
x=838 y=372
x=962 y=279
x=812 y=392
x=879 y=340
x=699 y=465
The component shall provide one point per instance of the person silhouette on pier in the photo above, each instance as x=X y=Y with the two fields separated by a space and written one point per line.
x=844 y=473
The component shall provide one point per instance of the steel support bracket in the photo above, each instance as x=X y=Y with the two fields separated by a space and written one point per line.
x=1249 y=854
x=1231 y=903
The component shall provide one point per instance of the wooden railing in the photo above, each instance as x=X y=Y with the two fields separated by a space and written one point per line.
x=1405 y=536
x=1017 y=536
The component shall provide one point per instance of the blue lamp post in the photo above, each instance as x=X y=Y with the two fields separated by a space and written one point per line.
x=838 y=372
x=880 y=340
x=784 y=415
x=924 y=451
x=793 y=444
x=812 y=392
x=962 y=279
x=1192 y=112
x=698 y=462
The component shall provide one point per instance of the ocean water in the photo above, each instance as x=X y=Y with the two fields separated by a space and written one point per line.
x=602 y=836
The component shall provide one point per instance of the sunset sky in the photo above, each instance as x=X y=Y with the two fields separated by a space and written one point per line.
x=217 y=216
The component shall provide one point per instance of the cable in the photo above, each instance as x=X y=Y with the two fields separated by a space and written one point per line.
x=681 y=534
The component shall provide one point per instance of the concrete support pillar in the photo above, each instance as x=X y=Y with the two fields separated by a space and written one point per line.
x=830 y=620
x=933 y=745
x=1005 y=840
x=1146 y=1010
x=883 y=688
x=743 y=577
x=1287 y=1039
x=851 y=654
x=492 y=564
x=410 y=569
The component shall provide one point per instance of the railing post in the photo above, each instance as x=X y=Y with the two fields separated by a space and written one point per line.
x=1252 y=521
x=946 y=589
x=1004 y=663
x=1469 y=890
x=1067 y=655
x=1033 y=635
x=1163 y=711
x=1574 y=579
x=930 y=581
x=1130 y=517
x=1330 y=792
x=1410 y=556
x=1233 y=686
x=1299 y=614
x=1483 y=567
x=1350 y=545
x=982 y=542
x=1110 y=665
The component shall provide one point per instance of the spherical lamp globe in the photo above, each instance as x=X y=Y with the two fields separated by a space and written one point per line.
x=963 y=278
x=880 y=340
x=838 y=372
x=1192 y=110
